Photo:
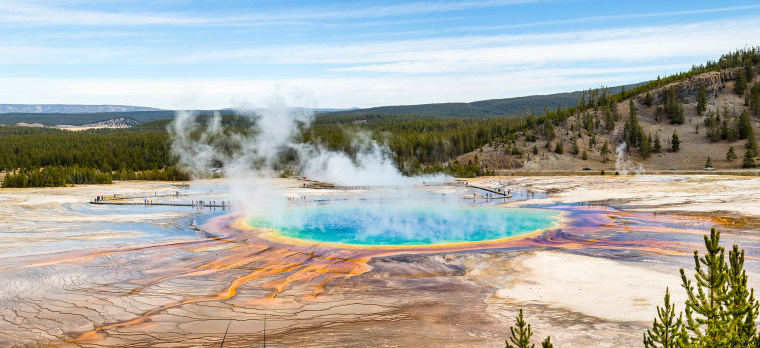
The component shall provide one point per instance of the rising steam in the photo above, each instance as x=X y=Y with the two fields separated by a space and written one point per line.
x=246 y=157
x=622 y=164
x=257 y=152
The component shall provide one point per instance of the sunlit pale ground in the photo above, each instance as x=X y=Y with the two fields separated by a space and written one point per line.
x=78 y=274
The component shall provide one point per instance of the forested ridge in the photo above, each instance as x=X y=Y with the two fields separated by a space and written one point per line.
x=419 y=143
x=478 y=109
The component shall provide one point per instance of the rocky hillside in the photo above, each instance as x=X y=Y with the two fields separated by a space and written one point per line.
x=120 y=122
x=710 y=133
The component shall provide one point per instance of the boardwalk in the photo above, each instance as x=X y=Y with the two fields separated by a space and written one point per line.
x=127 y=199
x=205 y=205
x=501 y=194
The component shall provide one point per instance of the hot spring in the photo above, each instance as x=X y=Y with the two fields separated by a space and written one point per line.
x=388 y=225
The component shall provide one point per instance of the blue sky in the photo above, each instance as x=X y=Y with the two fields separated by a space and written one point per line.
x=217 y=54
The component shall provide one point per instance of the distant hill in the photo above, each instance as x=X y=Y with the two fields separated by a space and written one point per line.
x=69 y=108
x=478 y=109
x=299 y=109
x=51 y=119
x=80 y=119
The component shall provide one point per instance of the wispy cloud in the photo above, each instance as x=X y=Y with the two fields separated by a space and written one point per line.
x=489 y=53
x=344 y=54
x=28 y=13
x=605 y=18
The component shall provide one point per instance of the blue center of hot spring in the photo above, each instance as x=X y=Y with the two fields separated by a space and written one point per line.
x=404 y=225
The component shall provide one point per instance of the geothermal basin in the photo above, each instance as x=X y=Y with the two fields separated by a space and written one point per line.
x=588 y=262
x=404 y=224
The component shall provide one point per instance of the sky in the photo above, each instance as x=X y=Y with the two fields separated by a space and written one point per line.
x=339 y=54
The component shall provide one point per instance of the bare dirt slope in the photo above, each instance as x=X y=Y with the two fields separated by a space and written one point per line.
x=695 y=147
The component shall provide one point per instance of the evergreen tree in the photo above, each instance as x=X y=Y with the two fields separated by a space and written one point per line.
x=749 y=160
x=708 y=163
x=549 y=132
x=657 y=148
x=701 y=100
x=749 y=72
x=721 y=310
x=521 y=335
x=631 y=109
x=632 y=131
x=741 y=84
x=645 y=148
x=704 y=304
x=742 y=308
x=648 y=100
x=559 y=148
x=673 y=107
x=724 y=130
x=585 y=155
x=667 y=331
x=752 y=145
x=675 y=143
x=535 y=150
x=575 y=150
x=731 y=154
x=745 y=125
x=609 y=120
x=605 y=151
x=754 y=100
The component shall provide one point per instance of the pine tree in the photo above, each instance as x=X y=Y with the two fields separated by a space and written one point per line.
x=752 y=145
x=741 y=84
x=521 y=335
x=754 y=101
x=673 y=107
x=675 y=143
x=704 y=304
x=631 y=108
x=731 y=154
x=749 y=72
x=749 y=160
x=667 y=331
x=645 y=148
x=657 y=148
x=701 y=100
x=547 y=343
x=742 y=309
x=535 y=150
x=708 y=164
x=648 y=100
x=559 y=148
x=724 y=131
x=605 y=151
x=632 y=131
x=575 y=150
x=745 y=125
x=584 y=155
x=609 y=120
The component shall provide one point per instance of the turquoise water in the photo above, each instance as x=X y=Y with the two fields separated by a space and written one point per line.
x=405 y=225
